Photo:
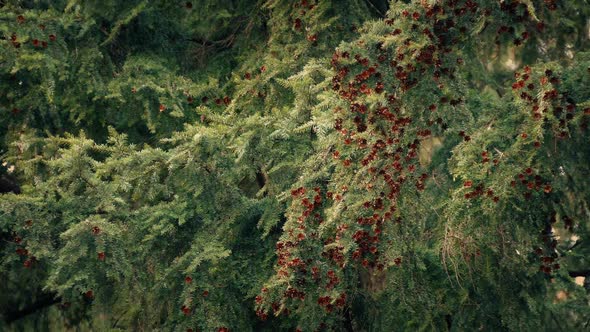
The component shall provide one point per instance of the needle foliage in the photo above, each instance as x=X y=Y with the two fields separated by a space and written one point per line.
x=280 y=165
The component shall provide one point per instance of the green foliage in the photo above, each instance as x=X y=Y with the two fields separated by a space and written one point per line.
x=310 y=165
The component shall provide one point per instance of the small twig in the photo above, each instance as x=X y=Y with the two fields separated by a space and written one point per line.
x=375 y=8
x=436 y=182
x=118 y=319
x=574 y=245
x=501 y=232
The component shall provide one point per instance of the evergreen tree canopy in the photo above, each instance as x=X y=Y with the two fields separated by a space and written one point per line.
x=294 y=165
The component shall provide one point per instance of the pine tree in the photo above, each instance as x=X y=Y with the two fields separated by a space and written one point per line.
x=302 y=165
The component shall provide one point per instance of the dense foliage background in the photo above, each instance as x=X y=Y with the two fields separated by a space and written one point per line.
x=358 y=165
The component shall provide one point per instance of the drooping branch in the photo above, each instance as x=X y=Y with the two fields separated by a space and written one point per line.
x=43 y=301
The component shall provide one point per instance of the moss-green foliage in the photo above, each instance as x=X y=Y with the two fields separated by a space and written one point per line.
x=201 y=165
